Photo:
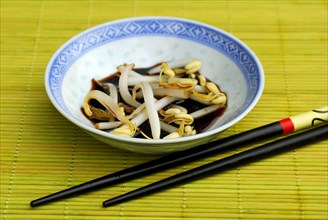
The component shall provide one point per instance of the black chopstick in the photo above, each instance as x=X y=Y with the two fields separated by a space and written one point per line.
x=247 y=156
x=284 y=126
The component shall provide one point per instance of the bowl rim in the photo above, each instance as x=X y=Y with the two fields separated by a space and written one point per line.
x=139 y=141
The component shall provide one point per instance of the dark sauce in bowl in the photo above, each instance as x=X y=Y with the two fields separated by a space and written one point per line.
x=200 y=125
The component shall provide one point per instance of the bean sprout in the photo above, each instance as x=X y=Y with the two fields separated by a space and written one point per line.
x=112 y=90
x=123 y=85
x=151 y=109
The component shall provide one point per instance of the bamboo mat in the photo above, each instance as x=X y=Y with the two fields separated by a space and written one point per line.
x=41 y=152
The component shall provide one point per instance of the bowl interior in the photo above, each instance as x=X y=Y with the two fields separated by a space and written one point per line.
x=145 y=52
x=97 y=52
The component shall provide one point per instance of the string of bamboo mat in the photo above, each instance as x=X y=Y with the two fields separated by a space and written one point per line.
x=39 y=158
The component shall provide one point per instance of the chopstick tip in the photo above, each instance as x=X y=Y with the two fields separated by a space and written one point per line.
x=113 y=201
x=33 y=203
x=105 y=204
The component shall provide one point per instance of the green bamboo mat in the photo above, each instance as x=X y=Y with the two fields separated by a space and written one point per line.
x=41 y=152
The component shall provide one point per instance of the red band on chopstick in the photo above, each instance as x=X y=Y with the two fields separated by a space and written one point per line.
x=287 y=125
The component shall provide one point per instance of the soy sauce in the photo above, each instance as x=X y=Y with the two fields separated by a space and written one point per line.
x=200 y=125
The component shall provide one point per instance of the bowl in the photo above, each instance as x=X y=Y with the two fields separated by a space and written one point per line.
x=145 y=41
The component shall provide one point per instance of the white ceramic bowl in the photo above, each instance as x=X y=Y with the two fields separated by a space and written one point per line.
x=145 y=41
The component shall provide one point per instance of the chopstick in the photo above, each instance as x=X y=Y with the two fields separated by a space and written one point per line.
x=247 y=156
x=281 y=127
